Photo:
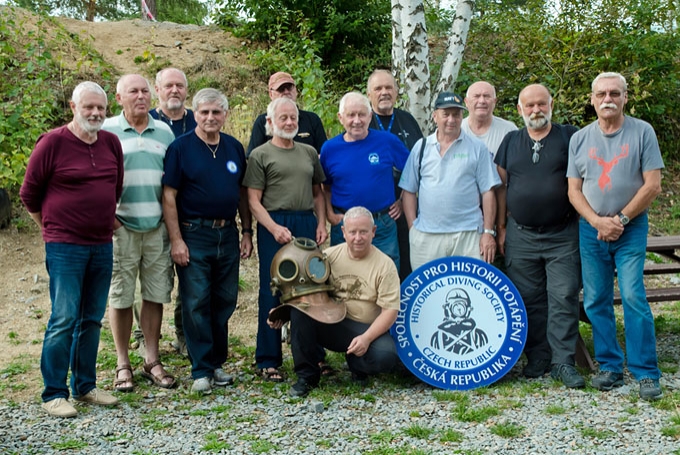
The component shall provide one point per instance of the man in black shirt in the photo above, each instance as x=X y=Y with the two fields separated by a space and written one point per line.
x=382 y=92
x=540 y=241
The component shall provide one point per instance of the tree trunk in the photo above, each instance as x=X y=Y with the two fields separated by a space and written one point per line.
x=149 y=10
x=416 y=60
x=456 y=46
x=397 y=44
x=91 y=10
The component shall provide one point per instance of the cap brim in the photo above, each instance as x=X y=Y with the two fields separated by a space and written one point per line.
x=446 y=106
x=318 y=306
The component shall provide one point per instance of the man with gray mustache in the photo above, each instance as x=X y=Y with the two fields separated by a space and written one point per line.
x=538 y=234
x=614 y=175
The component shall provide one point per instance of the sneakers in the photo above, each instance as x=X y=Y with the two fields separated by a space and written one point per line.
x=607 y=380
x=98 y=396
x=650 y=389
x=59 y=407
x=201 y=385
x=568 y=375
x=535 y=368
x=221 y=378
x=300 y=389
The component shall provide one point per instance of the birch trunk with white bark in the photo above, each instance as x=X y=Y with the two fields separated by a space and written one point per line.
x=416 y=72
x=455 y=47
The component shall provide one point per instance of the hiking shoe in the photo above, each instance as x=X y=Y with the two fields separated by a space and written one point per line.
x=201 y=385
x=568 y=375
x=535 y=368
x=221 y=378
x=59 y=407
x=300 y=389
x=607 y=380
x=360 y=379
x=650 y=389
x=98 y=396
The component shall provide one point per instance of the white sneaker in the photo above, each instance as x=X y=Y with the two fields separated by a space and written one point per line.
x=221 y=378
x=201 y=385
x=98 y=396
x=59 y=407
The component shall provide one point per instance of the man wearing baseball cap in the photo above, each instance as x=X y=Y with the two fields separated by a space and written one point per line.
x=310 y=128
x=442 y=182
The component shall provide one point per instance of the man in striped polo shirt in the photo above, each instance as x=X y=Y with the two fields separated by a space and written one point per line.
x=140 y=240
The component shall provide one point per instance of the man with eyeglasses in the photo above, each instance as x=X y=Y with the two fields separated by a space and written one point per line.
x=310 y=128
x=614 y=175
x=538 y=234
x=442 y=181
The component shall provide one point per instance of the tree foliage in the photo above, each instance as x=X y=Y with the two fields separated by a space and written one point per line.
x=83 y=9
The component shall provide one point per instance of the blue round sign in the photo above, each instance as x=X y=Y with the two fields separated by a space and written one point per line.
x=461 y=325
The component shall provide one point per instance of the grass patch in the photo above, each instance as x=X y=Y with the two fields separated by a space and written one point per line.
x=153 y=420
x=382 y=437
x=419 y=432
x=450 y=396
x=214 y=444
x=69 y=444
x=555 y=409
x=507 y=430
x=451 y=436
x=594 y=433
x=469 y=414
x=263 y=446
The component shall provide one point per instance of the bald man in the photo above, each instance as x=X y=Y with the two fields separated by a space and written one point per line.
x=480 y=101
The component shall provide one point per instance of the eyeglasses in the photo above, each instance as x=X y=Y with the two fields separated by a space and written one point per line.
x=612 y=94
x=535 y=157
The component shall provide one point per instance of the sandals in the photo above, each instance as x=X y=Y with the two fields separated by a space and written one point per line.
x=158 y=380
x=271 y=374
x=119 y=384
x=326 y=369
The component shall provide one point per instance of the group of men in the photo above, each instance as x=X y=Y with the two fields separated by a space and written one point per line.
x=564 y=207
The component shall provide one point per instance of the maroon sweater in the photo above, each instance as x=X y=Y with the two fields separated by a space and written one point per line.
x=75 y=186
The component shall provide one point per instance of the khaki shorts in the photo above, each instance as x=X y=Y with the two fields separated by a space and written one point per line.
x=427 y=247
x=145 y=255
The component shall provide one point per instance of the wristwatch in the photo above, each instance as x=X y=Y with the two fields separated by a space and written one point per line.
x=624 y=219
x=491 y=232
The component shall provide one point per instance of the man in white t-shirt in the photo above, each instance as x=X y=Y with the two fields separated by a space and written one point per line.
x=480 y=100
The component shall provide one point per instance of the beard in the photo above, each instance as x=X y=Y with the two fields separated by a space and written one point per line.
x=174 y=104
x=537 y=121
x=283 y=134
x=86 y=125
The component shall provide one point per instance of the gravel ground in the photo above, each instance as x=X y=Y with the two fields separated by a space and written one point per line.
x=393 y=415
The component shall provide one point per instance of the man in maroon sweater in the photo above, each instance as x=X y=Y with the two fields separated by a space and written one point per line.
x=73 y=181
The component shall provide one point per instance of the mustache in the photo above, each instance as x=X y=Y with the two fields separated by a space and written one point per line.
x=608 y=106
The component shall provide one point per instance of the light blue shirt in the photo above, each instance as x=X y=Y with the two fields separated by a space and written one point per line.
x=450 y=185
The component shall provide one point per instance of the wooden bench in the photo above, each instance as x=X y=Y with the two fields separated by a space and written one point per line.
x=663 y=245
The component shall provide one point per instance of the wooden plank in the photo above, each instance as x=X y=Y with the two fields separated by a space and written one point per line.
x=663 y=243
x=582 y=356
x=662 y=269
x=656 y=295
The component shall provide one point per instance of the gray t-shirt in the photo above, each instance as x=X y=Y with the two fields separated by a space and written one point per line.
x=611 y=165
x=494 y=135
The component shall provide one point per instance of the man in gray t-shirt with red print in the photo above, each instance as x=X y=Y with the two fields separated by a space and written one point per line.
x=614 y=175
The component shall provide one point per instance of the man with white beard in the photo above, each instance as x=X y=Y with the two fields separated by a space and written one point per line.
x=538 y=234
x=172 y=90
x=284 y=192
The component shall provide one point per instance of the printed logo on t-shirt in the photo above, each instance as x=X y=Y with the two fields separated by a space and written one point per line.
x=232 y=167
x=605 y=181
x=374 y=158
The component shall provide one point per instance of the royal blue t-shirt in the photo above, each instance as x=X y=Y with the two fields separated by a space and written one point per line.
x=360 y=172
x=206 y=187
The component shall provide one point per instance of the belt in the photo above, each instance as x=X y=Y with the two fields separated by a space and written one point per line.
x=213 y=224
x=382 y=212
x=541 y=229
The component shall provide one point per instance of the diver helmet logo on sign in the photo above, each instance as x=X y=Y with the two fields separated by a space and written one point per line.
x=461 y=324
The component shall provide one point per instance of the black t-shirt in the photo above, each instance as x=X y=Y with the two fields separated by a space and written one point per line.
x=310 y=131
x=537 y=193
x=178 y=127
x=403 y=125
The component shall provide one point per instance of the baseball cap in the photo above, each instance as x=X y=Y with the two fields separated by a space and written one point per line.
x=278 y=79
x=448 y=99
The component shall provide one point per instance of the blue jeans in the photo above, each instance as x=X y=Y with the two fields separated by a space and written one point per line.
x=209 y=288
x=385 y=236
x=301 y=224
x=598 y=261
x=80 y=276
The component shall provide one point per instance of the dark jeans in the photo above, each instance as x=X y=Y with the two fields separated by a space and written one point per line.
x=80 y=276
x=546 y=268
x=309 y=335
x=300 y=224
x=209 y=289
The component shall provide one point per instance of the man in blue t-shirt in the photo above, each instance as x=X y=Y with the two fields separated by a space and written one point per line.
x=172 y=90
x=358 y=166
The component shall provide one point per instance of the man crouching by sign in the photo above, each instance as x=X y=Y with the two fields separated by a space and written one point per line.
x=367 y=282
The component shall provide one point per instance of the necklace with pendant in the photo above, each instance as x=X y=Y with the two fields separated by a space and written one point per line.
x=213 y=151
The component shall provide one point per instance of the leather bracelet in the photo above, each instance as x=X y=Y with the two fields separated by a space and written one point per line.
x=246 y=231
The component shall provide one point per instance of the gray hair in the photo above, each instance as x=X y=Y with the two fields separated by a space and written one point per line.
x=375 y=73
x=120 y=86
x=210 y=95
x=271 y=112
x=159 y=75
x=493 y=89
x=87 y=86
x=358 y=212
x=355 y=96
x=610 y=75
